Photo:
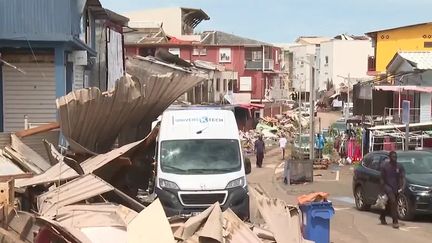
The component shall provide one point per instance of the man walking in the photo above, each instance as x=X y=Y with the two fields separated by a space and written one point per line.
x=259 y=151
x=282 y=144
x=319 y=145
x=392 y=182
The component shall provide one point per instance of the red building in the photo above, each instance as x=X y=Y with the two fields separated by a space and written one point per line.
x=257 y=64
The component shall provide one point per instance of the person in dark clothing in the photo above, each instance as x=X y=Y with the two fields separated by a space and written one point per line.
x=259 y=151
x=392 y=182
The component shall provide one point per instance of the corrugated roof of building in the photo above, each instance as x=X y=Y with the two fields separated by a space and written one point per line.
x=419 y=60
x=312 y=40
x=222 y=38
x=373 y=33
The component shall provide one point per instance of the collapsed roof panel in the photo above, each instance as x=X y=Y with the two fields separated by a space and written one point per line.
x=75 y=191
x=61 y=171
x=127 y=111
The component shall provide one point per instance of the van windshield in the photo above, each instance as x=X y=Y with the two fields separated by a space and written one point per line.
x=200 y=156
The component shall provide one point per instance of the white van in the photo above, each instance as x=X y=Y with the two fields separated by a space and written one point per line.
x=200 y=162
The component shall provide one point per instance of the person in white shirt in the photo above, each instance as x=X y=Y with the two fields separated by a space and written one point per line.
x=282 y=144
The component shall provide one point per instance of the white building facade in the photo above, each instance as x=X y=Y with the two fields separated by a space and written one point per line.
x=304 y=57
x=339 y=59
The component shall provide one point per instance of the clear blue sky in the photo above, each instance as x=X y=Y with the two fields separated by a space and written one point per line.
x=283 y=20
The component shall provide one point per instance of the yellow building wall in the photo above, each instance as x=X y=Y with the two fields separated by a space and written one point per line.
x=404 y=39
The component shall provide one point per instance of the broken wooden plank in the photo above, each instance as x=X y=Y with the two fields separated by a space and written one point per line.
x=15 y=176
x=37 y=130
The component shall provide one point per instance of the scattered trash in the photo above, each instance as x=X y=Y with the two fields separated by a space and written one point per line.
x=313 y=197
x=381 y=201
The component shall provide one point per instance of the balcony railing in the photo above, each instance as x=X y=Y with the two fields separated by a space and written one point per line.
x=258 y=64
x=394 y=115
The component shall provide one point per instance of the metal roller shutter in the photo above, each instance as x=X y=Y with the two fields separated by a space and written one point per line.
x=32 y=94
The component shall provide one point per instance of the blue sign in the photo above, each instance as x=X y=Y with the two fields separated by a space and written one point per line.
x=405 y=111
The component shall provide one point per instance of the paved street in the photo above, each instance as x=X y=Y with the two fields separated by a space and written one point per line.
x=348 y=224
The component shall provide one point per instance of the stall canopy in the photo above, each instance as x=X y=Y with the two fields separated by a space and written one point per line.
x=404 y=88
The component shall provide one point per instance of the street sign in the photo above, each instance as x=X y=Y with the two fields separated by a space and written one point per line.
x=405 y=111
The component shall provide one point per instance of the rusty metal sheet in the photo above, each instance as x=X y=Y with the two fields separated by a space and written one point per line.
x=127 y=111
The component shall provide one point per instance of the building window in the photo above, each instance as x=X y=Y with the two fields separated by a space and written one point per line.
x=225 y=55
x=245 y=84
x=256 y=55
x=218 y=84
x=326 y=60
x=276 y=56
x=224 y=85
x=230 y=85
x=174 y=51
x=428 y=45
x=199 y=52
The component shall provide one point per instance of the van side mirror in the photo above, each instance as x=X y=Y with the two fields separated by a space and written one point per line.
x=248 y=166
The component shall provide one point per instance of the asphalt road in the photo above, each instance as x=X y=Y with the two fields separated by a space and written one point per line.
x=348 y=225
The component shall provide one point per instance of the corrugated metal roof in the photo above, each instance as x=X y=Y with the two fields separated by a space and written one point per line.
x=222 y=38
x=72 y=192
x=7 y=167
x=61 y=171
x=312 y=40
x=5 y=139
x=128 y=111
x=36 y=20
x=373 y=33
x=95 y=215
x=29 y=154
x=419 y=60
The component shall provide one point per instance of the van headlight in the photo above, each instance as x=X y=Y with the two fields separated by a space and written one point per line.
x=239 y=182
x=168 y=184
x=419 y=189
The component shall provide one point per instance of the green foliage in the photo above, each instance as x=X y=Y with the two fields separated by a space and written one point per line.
x=328 y=147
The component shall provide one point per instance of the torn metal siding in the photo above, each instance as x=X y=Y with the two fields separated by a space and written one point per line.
x=7 y=167
x=95 y=215
x=126 y=112
x=61 y=171
x=35 y=142
x=5 y=139
x=29 y=154
x=75 y=191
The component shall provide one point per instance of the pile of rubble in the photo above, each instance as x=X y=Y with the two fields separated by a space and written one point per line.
x=271 y=129
x=88 y=191
x=321 y=164
x=78 y=212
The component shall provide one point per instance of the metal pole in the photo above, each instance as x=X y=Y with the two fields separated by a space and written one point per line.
x=312 y=112
x=406 y=136
x=319 y=124
x=299 y=110
x=348 y=99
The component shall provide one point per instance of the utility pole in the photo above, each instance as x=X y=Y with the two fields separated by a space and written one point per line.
x=299 y=110
x=312 y=111
x=348 y=99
